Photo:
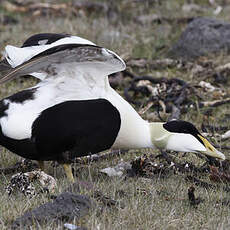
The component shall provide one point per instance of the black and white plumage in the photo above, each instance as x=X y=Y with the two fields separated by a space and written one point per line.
x=73 y=111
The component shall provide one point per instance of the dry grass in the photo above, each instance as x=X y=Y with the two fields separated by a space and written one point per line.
x=164 y=204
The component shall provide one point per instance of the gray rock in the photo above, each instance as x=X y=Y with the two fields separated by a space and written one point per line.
x=202 y=36
x=66 y=206
x=117 y=170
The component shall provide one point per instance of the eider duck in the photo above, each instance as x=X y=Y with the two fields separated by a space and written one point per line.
x=73 y=111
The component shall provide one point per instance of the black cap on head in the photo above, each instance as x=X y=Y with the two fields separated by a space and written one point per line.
x=177 y=126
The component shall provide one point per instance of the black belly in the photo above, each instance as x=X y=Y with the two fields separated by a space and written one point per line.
x=69 y=129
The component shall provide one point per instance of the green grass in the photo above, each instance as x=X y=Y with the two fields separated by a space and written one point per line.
x=164 y=203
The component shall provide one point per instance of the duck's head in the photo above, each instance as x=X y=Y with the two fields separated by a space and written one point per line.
x=181 y=136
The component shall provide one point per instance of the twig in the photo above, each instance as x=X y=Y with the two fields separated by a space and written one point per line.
x=146 y=108
x=175 y=115
x=214 y=103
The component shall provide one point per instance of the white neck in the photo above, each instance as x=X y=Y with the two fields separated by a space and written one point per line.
x=159 y=136
x=134 y=131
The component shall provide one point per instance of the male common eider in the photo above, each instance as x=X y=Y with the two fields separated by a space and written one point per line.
x=73 y=111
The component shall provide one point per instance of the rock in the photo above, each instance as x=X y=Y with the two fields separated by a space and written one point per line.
x=206 y=86
x=73 y=227
x=202 y=36
x=118 y=170
x=24 y=182
x=226 y=135
x=66 y=206
x=217 y=10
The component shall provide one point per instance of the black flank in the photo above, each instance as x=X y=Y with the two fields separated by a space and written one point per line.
x=24 y=147
x=76 y=127
x=50 y=37
x=22 y=96
x=178 y=126
x=3 y=107
x=19 y=97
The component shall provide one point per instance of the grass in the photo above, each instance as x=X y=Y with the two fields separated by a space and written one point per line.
x=148 y=204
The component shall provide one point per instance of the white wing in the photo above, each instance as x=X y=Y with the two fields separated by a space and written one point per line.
x=88 y=59
x=16 y=56
x=73 y=72
x=34 y=45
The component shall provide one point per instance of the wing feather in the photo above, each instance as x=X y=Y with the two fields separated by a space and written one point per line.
x=98 y=58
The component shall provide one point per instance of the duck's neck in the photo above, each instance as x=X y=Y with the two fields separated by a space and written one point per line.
x=137 y=133
x=159 y=136
x=134 y=131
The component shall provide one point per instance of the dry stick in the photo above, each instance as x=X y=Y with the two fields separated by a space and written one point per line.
x=158 y=113
x=146 y=108
x=175 y=115
x=214 y=103
x=176 y=105
x=128 y=97
x=134 y=88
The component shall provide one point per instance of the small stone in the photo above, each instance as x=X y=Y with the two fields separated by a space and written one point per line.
x=73 y=227
x=118 y=170
x=207 y=86
x=226 y=135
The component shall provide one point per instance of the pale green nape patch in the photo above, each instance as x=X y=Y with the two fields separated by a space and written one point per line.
x=159 y=135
